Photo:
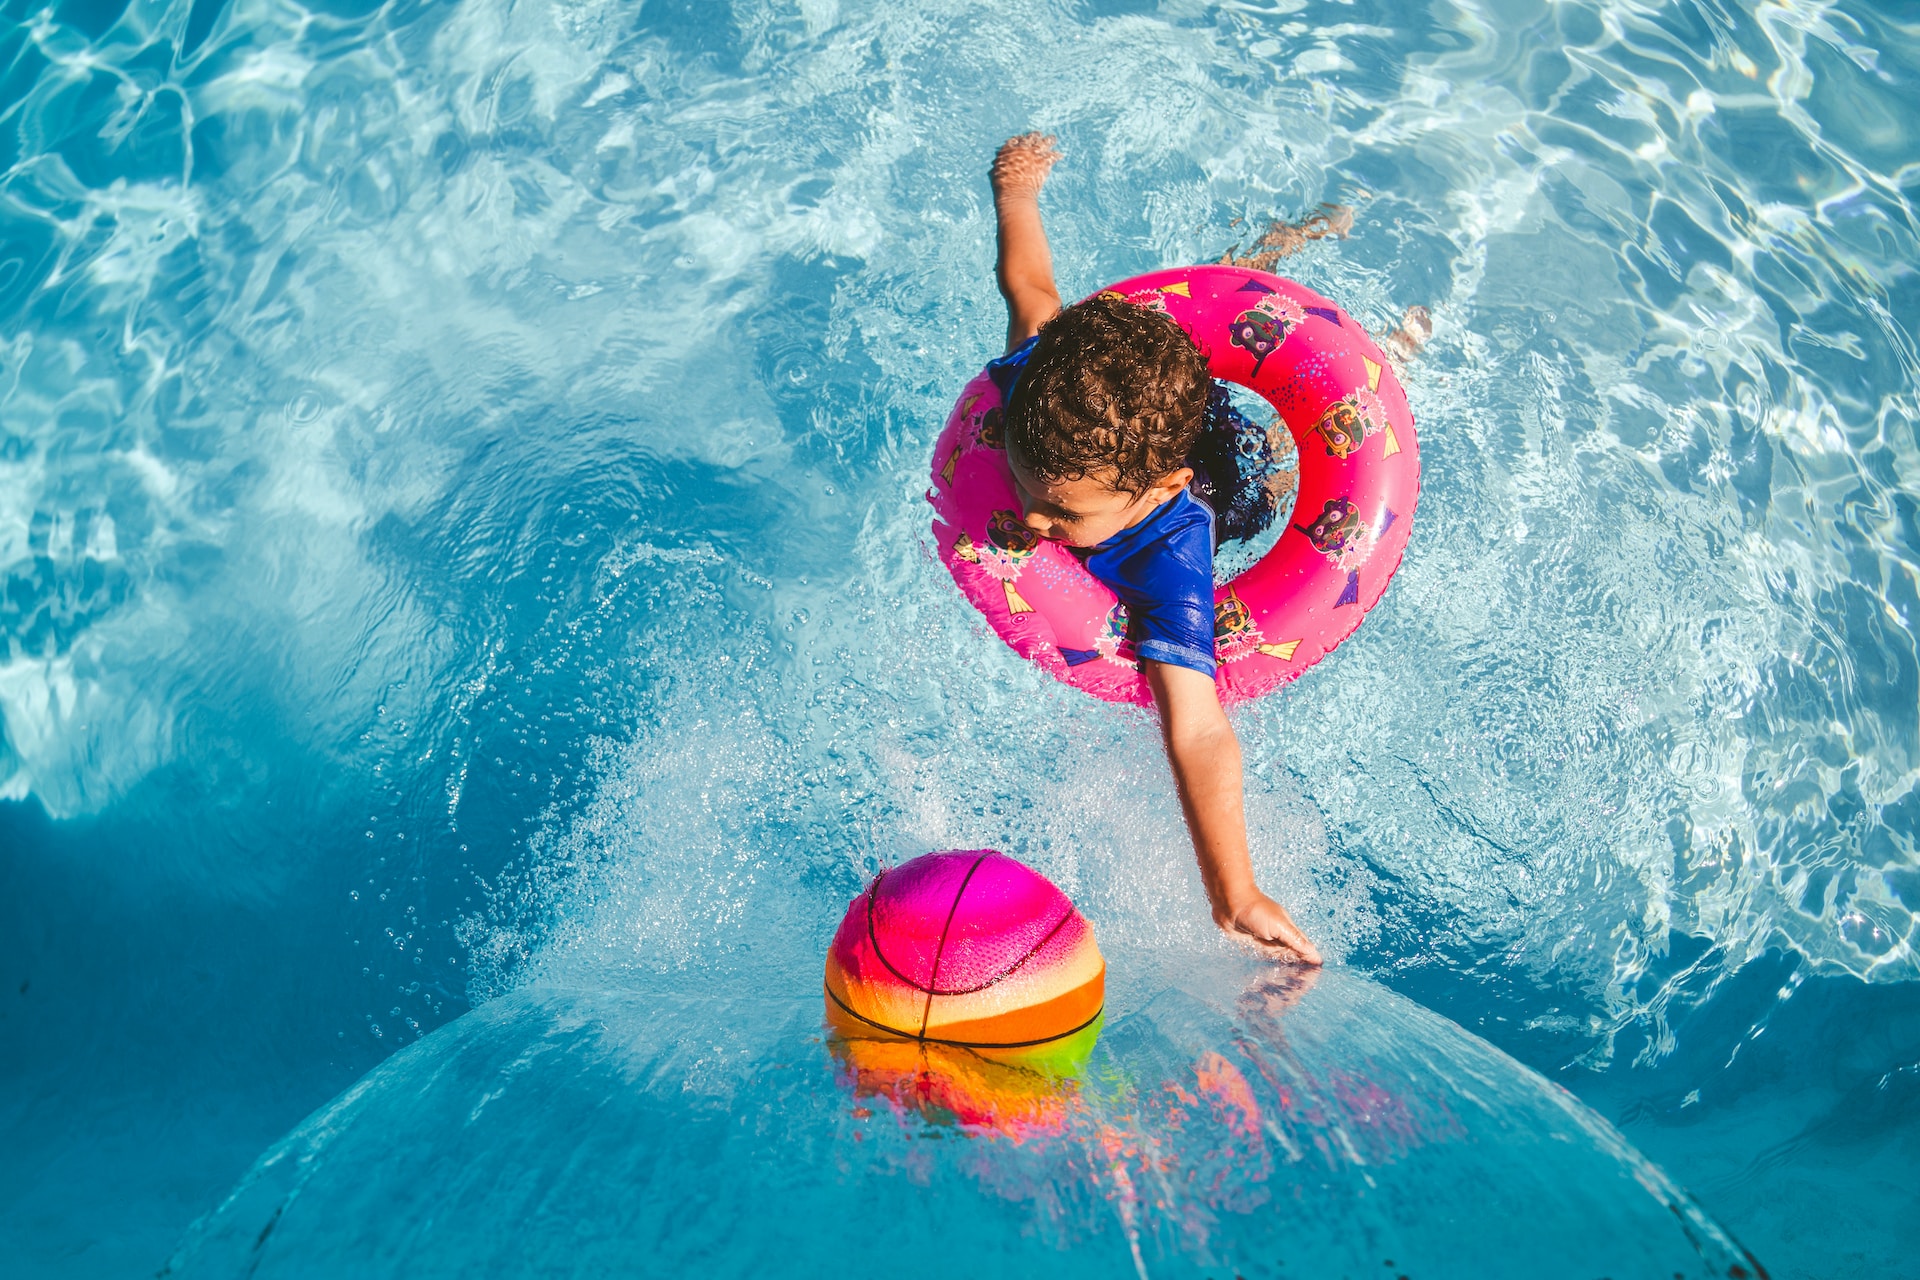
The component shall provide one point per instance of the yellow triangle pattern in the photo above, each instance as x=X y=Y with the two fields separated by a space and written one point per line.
x=1284 y=652
x=966 y=410
x=946 y=472
x=1393 y=443
x=1015 y=602
x=963 y=547
x=1180 y=287
x=1373 y=374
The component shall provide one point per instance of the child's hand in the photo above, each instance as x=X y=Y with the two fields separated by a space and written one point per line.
x=1265 y=922
x=1021 y=165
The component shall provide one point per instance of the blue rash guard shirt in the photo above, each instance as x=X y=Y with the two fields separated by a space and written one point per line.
x=1161 y=568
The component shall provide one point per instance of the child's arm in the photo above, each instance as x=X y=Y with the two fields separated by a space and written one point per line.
x=1206 y=769
x=1025 y=268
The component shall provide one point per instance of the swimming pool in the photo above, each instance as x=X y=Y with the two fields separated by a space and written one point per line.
x=460 y=504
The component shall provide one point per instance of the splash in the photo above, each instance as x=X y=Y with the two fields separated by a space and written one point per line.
x=327 y=330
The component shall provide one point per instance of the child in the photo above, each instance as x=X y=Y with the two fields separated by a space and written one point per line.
x=1103 y=408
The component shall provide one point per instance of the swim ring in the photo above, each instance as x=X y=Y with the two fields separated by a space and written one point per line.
x=1359 y=484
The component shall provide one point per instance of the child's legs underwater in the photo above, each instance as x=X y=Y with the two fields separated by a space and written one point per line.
x=1235 y=465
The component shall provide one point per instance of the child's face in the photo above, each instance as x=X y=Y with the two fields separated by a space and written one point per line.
x=1087 y=511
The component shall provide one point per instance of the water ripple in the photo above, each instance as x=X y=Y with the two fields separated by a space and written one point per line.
x=352 y=352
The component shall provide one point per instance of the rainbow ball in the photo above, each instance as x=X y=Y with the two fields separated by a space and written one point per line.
x=966 y=948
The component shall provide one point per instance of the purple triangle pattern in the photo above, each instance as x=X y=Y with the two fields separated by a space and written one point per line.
x=1325 y=313
x=1352 y=594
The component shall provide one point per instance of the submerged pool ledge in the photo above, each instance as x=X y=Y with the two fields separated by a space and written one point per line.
x=1233 y=1119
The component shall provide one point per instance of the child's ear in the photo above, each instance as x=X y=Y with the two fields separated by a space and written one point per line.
x=1171 y=484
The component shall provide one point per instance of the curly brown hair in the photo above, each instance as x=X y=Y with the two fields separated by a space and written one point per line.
x=1110 y=386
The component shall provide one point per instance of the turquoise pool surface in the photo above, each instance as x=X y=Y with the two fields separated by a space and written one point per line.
x=463 y=539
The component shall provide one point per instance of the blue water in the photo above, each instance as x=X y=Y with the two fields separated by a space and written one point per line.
x=1233 y=1121
x=461 y=521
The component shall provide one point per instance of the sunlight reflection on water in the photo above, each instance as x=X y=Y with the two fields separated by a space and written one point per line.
x=497 y=431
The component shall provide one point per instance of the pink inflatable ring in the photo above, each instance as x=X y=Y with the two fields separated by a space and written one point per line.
x=1359 y=484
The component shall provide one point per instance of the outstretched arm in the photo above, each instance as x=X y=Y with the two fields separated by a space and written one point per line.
x=1205 y=756
x=1025 y=268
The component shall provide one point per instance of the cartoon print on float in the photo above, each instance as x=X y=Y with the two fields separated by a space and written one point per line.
x=1347 y=423
x=1110 y=645
x=1336 y=530
x=993 y=428
x=1261 y=328
x=1236 y=637
x=1151 y=299
x=1341 y=536
x=1010 y=544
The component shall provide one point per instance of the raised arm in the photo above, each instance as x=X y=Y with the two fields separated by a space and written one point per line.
x=1205 y=756
x=1025 y=268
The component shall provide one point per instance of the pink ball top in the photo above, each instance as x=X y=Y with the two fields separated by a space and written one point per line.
x=956 y=922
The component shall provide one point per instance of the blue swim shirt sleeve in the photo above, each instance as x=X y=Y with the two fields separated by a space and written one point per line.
x=1162 y=570
x=1006 y=370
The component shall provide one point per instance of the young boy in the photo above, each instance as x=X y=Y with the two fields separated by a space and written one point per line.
x=1103 y=407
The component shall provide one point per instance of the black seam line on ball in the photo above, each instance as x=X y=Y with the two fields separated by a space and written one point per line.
x=1013 y=968
x=873 y=938
x=933 y=978
x=966 y=1044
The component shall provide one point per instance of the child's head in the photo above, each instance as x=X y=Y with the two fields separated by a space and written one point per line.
x=1100 y=425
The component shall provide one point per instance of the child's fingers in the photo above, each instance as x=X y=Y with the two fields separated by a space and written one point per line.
x=1291 y=935
x=1039 y=146
x=1021 y=165
x=1284 y=935
x=1298 y=944
x=1293 y=943
x=1295 y=950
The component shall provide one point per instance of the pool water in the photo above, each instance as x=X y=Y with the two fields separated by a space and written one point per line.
x=1230 y=1120
x=461 y=474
